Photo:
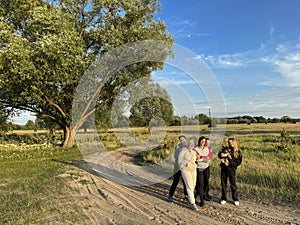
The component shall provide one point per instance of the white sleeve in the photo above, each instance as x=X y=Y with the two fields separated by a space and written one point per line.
x=181 y=161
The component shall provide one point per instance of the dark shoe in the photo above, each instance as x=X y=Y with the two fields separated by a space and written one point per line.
x=170 y=199
x=185 y=198
x=202 y=204
x=194 y=207
x=207 y=198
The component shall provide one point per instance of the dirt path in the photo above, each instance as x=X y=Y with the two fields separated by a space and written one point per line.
x=106 y=202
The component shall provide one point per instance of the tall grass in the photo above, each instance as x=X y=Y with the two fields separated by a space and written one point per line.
x=268 y=171
x=31 y=188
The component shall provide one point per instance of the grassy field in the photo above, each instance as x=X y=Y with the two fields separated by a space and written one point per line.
x=270 y=168
x=31 y=188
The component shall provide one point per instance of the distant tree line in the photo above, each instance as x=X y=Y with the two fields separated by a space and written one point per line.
x=259 y=119
x=201 y=119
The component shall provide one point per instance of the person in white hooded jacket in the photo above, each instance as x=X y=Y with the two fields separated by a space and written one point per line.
x=187 y=164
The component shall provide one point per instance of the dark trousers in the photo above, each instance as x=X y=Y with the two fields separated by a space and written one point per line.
x=176 y=179
x=199 y=184
x=206 y=175
x=228 y=172
x=202 y=183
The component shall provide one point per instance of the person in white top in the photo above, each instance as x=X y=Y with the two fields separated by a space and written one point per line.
x=187 y=164
x=202 y=164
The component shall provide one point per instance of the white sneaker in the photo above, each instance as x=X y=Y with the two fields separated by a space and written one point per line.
x=222 y=202
x=236 y=203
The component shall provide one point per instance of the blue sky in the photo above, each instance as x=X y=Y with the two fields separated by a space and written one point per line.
x=252 y=47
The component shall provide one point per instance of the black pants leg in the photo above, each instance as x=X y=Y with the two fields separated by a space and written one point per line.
x=233 y=187
x=206 y=175
x=224 y=175
x=199 y=185
x=176 y=179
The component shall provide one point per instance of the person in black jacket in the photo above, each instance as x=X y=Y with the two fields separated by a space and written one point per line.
x=231 y=158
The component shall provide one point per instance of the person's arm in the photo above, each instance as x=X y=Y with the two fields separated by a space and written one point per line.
x=219 y=154
x=181 y=160
x=198 y=157
x=210 y=154
x=176 y=151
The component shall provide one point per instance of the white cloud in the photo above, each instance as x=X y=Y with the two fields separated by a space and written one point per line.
x=23 y=118
x=227 y=60
x=286 y=62
x=182 y=29
x=274 y=102
x=284 y=58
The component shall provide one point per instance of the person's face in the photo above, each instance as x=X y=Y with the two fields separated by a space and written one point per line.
x=192 y=145
x=202 y=142
x=182 y=140
x=207 y=143
x=230 y=143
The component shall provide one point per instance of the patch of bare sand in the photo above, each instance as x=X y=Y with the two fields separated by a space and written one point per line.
x=105 y=202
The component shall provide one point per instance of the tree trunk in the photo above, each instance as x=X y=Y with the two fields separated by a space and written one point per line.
x=69 y=136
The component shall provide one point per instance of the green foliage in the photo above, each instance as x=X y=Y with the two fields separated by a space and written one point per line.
x=155 y=155
x=285 y=143
x=150 y=108
x=30 y=125
x=203 y=119
x=4 y=125
x=33 y=138
x=46 y=46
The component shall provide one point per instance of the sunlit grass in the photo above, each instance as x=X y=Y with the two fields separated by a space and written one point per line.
x=266 y=172
x=30 y=186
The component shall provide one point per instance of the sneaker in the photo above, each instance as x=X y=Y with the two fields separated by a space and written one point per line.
x=222 y=202
x=170 y=199
x=236 y=202
x=194 y=207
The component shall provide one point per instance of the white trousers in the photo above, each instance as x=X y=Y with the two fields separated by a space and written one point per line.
x=189 y=178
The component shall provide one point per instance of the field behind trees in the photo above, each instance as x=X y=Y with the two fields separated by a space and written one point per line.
x=33 y=190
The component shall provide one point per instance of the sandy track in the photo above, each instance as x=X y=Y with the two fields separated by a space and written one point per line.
x=106 y=202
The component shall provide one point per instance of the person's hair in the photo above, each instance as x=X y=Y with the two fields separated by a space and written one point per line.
x=181 y=137
x=235 y=147
x=200 y=139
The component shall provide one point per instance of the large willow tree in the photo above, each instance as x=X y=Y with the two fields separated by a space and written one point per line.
x=46 y=46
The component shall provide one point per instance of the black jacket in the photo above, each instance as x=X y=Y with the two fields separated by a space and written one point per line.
x=234 y=162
